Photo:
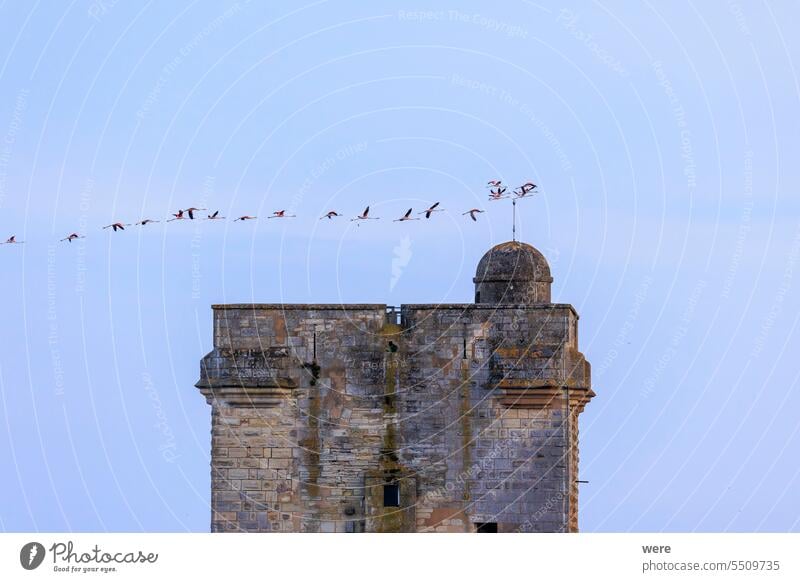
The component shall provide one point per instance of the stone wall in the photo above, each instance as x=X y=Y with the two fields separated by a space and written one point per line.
x=483 y=423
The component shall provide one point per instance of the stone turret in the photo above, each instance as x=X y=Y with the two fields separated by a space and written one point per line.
x=513 y=273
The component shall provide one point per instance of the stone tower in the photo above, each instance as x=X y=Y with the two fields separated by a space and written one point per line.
x=363 y=417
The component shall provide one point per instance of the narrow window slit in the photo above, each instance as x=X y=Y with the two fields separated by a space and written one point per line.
x=391 y=495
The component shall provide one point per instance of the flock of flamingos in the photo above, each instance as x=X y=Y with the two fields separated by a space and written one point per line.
x=496 y=192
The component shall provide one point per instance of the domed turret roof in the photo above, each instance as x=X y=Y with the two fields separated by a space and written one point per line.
x=513 y=261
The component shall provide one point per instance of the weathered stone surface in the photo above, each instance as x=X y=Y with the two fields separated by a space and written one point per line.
x=512 y=273
x=316 y=408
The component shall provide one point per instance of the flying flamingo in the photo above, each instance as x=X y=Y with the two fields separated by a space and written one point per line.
x=365 y=216
x=243 y=218
x=145 y=222
x=116 y=226
x=215 y=216
x=191 y=212
x=72 y=237
x=494 y=183
x=178 y=216
x=431 y=210
x=497 y=194
x=281 y=214
x=525 y=189
x=12 y=240
x=472 y=213
x=330 y=215
x=406 y=216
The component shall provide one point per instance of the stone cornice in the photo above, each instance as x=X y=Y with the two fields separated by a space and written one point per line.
x=541 y=394
x=252 y=392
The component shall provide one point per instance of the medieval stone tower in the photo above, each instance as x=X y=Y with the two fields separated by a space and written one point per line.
x=368 y=418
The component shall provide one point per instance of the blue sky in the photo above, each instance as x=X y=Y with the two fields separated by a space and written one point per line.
x=664 y=138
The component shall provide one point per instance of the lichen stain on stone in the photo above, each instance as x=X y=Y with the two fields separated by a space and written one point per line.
x=311 y=443
x=279 y=327
x=391 y=334
x=444 y=366
x=466 y=429
x=314 y=370
x=333 y=402
x=390 y=407
x=390 y=519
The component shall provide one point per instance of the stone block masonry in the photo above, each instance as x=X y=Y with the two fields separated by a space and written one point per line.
x=359 y=417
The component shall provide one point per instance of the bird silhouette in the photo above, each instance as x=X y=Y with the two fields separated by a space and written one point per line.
x=281 y=214
x=178 y=216
x=12 y=240
x=365 y=216
x=494 y=183
x=472 y=213
x=145 y=222
x=525 y=189
x=72 y=237
x=497 y=194
x=116 y=226
x=243 y=218
x=406 y=216
x=329 y=215
x=215 y=216
x=431 y=210
x=191 y=212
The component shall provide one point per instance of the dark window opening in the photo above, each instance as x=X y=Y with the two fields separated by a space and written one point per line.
x=489 y=527
x=477 y=297
x=355 y=526
x=391 y=496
